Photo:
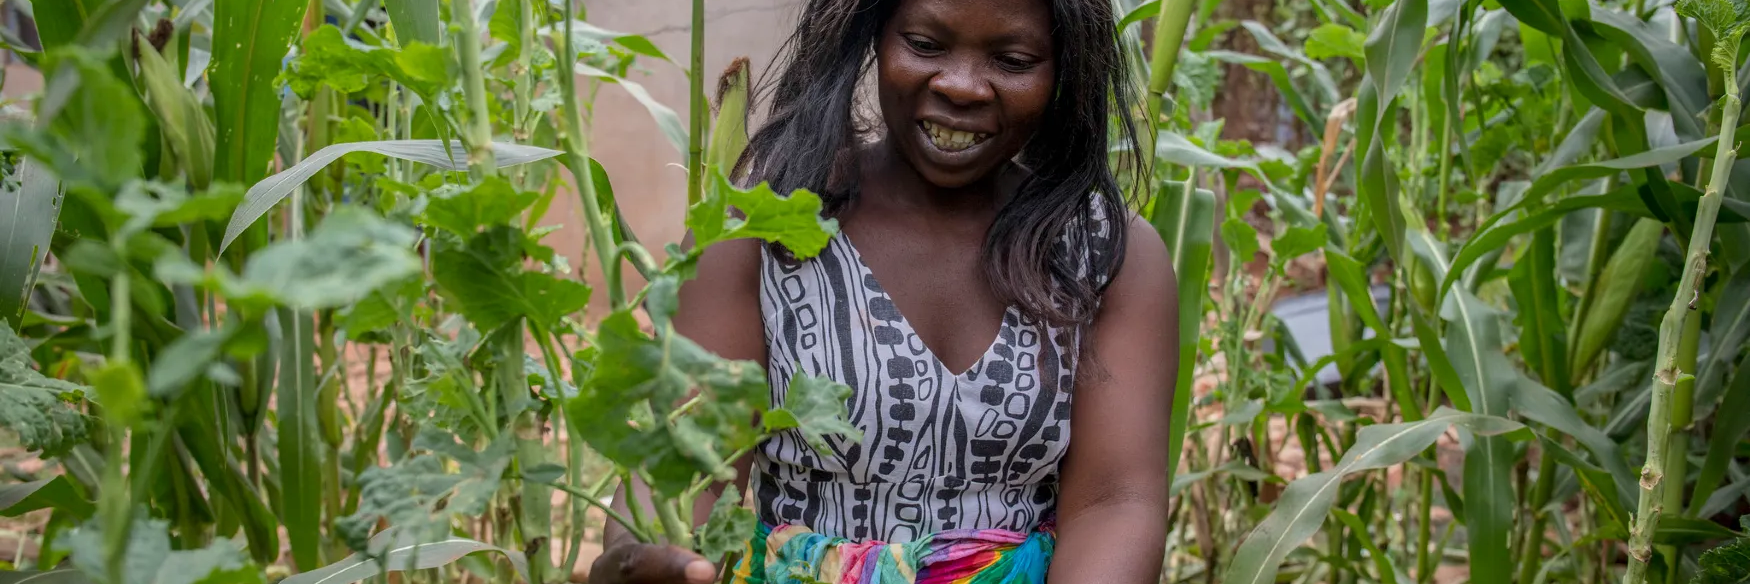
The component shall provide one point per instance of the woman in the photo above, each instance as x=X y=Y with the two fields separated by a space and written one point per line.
x=982 y=205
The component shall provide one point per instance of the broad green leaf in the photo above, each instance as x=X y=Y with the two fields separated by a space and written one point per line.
x=109 y=24
x=1727 y=564
x=1302 y=507
x=1730 y=328
x=666 y=119
x=636 y=373
x=729 y=527
x=267 y=193
x=157 y=205
x=1543 y=336
x=1298 y=241
x=486 y=281
x=52 y=493
x=150 y=560
x=792 y=221
x=185 y=359
x=1392 y=46
x=40 y=410
x=1335 y=40
x=199 y=430
x=1681 y=76
x=1268 y=42
x=299 y=440
x=416 y=21
x=58 y=22
x=489 y=203
x=349 y=255
x=89 y=125
x=421 y=494
x=1240 y=238
x=1683 y=531
x=1617 y=286
x=1545 y=406
x=328 y=58
x=250 y=37
x=507 y=26
x=815 y=407
x=1496 y=235
x=30 y=204
x=396 y=550
x=1581 y=67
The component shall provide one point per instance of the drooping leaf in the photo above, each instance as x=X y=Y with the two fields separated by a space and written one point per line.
x=729 y=527
x=1473 y=342
x=1727 y=564
x=397 y=550
x=30 y=204
x=793 y=221
x=1335 y=40
x=421 y=494
x=51 y=493
x=1302 y=507
x=150 y=560
x=39 y=409
x=250 y=37
x=299 y=439
x=666 y=119
x=1187 y=225
x=486 y=280
x=1279 y=77
x=815 y=407
x=267 y=193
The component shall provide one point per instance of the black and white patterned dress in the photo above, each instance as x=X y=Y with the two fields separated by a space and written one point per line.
x=940 y=450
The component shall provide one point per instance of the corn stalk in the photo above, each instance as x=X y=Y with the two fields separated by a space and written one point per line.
x=1668 y=374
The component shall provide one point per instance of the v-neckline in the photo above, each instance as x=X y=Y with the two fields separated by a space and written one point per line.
x=978 y=364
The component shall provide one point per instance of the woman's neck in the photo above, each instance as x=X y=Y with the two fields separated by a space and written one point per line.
x=886 y=173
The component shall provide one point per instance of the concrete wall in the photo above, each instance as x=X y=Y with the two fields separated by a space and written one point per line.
x=647 y=172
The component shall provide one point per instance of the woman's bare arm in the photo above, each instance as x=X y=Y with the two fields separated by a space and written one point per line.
x=719 y=310
x=1112 y=507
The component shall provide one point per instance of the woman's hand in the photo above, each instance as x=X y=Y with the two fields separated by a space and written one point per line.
x=644 y=563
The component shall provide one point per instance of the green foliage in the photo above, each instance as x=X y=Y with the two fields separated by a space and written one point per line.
x=1727 y=564
x=1335 y=40
x=150 y=559
x=41 y=410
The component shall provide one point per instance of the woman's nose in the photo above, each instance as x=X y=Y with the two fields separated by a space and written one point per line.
x=962 y=82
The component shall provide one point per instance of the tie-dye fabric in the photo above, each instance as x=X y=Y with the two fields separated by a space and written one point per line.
x=792 y=554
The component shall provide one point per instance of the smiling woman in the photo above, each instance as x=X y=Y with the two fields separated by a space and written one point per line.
x=980 y=315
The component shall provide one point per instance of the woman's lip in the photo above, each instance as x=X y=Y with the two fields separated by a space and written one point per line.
x=948 y=125
x=947 y=157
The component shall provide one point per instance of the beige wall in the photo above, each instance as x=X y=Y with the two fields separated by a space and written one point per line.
x=646 y=171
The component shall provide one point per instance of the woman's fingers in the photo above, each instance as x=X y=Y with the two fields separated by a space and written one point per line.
x=656 y=564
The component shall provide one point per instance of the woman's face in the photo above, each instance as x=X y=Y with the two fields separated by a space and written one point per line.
x=964 y=83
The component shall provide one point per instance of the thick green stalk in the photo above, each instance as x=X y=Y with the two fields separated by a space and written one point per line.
x=1669 y=375
x=1532 y=549
x=477 y=133
x=582 y=174
x=1682 y=416
x=116 y=507
x=1169 y=34
x=696 y=109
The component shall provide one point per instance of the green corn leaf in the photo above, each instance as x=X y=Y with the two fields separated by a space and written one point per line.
x=40 y=410
x=1681 y=76
x=588 y=34
x=111 y=22
x=1185 y=219
x=58 y=22
x=1730 y=424
x=150 y=560
x=1304 y=504
x=1730 y=328
x=1617 y=286
x=1473 y=342
x=30 y=204
x=264 y=195
x=1268 y=42
x=1545 y=406
x=729 y=527
x=249 y=39
x=1388 y=573
x=300 y=444
x=1543 y=336
x=52 y=493
x=666 y=119
x=416 y=21
x=1236 y=469
x=198 y=430
x=396 y=550
x=1278 y=76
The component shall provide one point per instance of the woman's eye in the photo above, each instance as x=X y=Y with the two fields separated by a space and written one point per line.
x=1014 y=63
x=921 y=44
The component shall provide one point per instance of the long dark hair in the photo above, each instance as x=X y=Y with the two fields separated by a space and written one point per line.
x=811 y=133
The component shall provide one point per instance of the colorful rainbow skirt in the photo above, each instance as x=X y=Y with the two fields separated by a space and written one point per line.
x=791 y=554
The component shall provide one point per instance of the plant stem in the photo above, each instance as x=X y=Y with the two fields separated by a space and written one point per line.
x=1169 y=35
x=477 y=134
x=1424 y=530
x=1669 y=375
x=1541 y=490
x=577 y=161
x=696 y=109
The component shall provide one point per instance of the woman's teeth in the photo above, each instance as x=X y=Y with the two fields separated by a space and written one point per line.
x=952 y=140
